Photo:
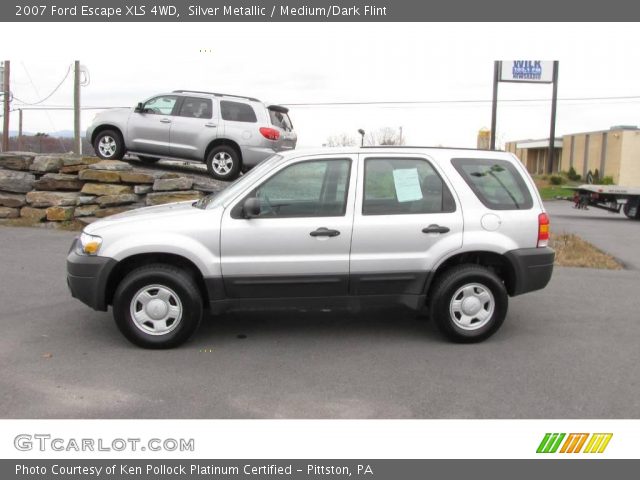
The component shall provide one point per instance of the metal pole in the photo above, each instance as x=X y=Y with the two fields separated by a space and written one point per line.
x=20 y=130
x=494 y=104
x=7 y=99
x=552 y=133
x=77 y=142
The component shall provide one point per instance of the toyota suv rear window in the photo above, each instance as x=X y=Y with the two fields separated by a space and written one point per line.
x=496 y=183
x=281 y=119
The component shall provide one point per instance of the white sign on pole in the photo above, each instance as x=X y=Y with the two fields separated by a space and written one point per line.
x=1 y=77
x=526 y=71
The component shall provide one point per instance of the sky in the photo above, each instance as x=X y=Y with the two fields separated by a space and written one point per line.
x=342 y=62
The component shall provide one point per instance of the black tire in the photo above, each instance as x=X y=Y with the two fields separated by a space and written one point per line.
x=478 y=281
x=109 y=136
x=629 y=206
x=167 y=278
x=233 y=163
x=145 y=159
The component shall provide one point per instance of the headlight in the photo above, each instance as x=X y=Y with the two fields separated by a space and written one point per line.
x=89 y=244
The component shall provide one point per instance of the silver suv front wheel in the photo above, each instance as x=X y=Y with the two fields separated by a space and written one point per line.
x=109 y=145
x=157 y=306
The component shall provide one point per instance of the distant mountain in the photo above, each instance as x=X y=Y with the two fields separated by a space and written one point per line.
x=57 y=134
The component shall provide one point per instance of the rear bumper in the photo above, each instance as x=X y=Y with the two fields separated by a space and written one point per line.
x=532 y=269
x=87 y=278
x=252 y=156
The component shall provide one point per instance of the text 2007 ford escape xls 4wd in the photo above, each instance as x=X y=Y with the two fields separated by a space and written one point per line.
x=453 y=231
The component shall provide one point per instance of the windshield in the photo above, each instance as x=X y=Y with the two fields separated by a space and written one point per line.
x=230 y=191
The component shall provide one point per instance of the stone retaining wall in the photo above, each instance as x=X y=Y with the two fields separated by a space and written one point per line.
x=72 y=189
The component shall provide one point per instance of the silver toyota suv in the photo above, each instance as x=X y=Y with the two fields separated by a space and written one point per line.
x=228 y=132
x=452 y=233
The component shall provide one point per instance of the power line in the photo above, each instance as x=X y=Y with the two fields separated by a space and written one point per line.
x=437 y=102
x=48 y=96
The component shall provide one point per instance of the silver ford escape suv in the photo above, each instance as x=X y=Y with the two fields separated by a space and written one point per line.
x=229 y=132
x=453 y=233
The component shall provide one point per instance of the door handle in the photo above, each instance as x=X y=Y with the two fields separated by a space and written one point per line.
x=210 y=125
x=165 y=120
x=324 y=232
x=435 y=229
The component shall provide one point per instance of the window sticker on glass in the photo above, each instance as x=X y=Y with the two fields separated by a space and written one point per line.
x=407 y=183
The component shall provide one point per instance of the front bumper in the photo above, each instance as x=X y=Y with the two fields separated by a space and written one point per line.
x=87 y=278
x=532 y=269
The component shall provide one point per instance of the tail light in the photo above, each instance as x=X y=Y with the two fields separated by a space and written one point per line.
x=543 y=230
x=270 y=133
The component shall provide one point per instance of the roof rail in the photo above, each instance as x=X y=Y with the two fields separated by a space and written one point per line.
x=217 y=94
x=422 y=146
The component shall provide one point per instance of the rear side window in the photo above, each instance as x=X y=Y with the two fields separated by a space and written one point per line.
x=280 y=119
x=193 y=107
x=237 y=112
x=397 y=186
x=496 y=183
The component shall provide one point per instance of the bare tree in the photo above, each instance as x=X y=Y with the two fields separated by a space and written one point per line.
x=341 y=140
x=384 y=136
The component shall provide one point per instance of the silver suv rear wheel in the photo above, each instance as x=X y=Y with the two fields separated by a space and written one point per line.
x=469 y=303
x=223 y=163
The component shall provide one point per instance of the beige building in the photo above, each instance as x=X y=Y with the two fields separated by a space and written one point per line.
x=534 y=154
x=614 y=153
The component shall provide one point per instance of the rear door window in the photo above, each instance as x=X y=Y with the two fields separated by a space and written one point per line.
x=496 y=183
x=398 y=186
x=237 y=112
x=194 y=107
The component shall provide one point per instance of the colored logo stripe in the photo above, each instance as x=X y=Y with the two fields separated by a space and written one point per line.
x=596 y=443
x=550 y=443
x=574 y=443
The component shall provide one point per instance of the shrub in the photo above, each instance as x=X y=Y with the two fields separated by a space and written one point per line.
x=607 y=181
x=556 y=180
x=572 y=175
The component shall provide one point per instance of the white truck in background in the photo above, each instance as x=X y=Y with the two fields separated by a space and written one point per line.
x=613 y=198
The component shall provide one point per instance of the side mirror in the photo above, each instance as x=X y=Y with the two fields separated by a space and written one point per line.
x=251 y=207
x=139 y=108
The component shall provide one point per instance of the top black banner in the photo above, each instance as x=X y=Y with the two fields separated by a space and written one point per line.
x=317 y=11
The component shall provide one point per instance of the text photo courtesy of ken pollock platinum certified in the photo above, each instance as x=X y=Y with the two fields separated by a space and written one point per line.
x=202 y=12
x=195 y=469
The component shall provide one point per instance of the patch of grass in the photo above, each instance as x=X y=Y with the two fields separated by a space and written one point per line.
x=573 y=251
x=550 y=192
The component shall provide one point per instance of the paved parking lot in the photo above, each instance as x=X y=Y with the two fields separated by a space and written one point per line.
x=569 y=351
x=612 y=232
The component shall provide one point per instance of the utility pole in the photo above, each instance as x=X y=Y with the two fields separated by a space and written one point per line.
x=20 y=130
x=7 y=99
x=552 y=132
x=494 y=104
x=77 y=141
